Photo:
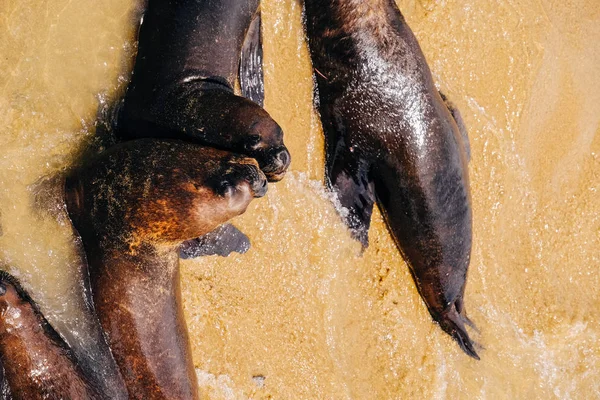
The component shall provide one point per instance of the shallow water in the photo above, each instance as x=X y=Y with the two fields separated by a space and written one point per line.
x=303 y=315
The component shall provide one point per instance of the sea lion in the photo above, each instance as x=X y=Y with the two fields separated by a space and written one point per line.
x=133 y=206
x=79 y=326
x=390 y=137
x=37 y=362
x=182 y=82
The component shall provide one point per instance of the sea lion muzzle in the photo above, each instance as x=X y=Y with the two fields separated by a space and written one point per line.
x=242 y=175
x=274 y=163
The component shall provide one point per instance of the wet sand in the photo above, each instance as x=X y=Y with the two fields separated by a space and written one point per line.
x=303 y=315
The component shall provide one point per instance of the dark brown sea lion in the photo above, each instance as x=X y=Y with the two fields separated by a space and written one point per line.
x=37 y=362
x=182 y=83
x=391 y=137
x=133 y=207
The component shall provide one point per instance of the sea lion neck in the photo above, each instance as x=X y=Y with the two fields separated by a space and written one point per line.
x=148 y=338
x=356 y=35
x=183 y=35
x=145 y=258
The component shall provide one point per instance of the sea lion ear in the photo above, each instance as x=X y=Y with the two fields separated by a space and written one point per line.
x=222 y=241
x=251 y=77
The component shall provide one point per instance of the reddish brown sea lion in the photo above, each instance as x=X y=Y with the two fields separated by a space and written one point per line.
x=182 y=83
x=37 y=362
x=391 y=137
x=133 y=206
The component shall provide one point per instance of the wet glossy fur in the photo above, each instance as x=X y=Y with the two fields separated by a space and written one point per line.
x=392 y=139
x=37 y=362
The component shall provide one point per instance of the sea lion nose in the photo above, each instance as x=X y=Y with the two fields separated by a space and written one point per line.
x=275 y=163
x=284 y=159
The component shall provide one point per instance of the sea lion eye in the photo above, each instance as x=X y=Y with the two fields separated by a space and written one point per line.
x=2 y=289
x=253 y=141
x=225 y=187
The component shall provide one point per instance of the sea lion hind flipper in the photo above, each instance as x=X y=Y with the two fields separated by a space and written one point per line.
x=460 y=123
x=222 y=241
x=349 y=178
x=251 y=76
x=453 y=323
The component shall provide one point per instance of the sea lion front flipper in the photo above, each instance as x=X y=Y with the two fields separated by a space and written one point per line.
x=251 y=74
x=348 y=177
x=222 y=241
x=460 y=123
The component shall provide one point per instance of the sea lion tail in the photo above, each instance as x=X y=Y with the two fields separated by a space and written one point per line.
x=251 y=76
x=453 y=323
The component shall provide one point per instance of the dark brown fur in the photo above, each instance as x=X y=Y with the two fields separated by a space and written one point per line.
x=182 y=83
x=133 y=207
x=37 y=362
x=391 y=138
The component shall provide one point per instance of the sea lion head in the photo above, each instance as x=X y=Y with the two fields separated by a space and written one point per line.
x=262 y=139
x=207 y=112
x=190 y=203
x=240 y=125
x=161 y=192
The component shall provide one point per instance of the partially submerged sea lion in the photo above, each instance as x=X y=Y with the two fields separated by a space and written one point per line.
x=37 y=362
x=77 y=324
x=391 y=137
x=133 y=207
x=182 y=83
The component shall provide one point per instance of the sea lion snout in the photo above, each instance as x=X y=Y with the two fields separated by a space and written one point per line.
x=243 y=177
x=259 y=187
x=13 y=300
x=275 y=163
x=252 y=175
x=265 y=143
x=256 y=178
